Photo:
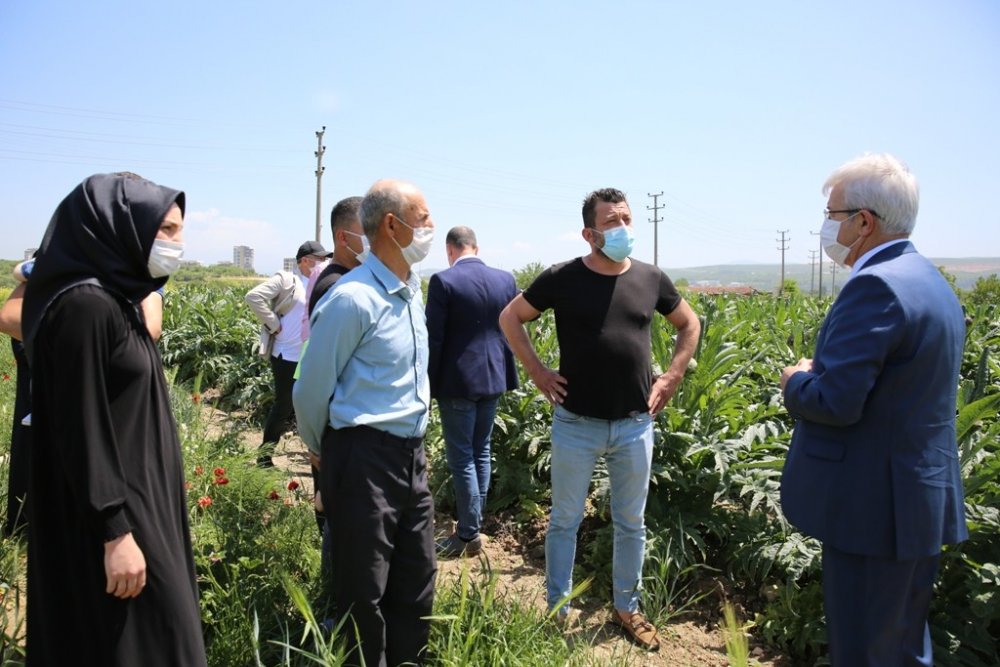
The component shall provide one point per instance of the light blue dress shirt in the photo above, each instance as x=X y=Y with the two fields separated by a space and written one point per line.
x=861 y=261
x=366 y=363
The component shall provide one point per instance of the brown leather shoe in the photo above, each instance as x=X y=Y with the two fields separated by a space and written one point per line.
x=638 y=629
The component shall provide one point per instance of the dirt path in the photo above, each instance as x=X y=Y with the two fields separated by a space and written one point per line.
x=693 y=640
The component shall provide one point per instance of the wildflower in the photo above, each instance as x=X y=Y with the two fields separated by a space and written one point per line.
x=292 y=485
x=204 y=502
x=6 y=377
x=273 y=495
x=199 y=470
x=188 y=486
x=196 y=398
x=221 y=481
x=219 y=472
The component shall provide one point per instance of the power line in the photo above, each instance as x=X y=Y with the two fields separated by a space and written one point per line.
x=783 y=247
x=812 y=270
x=819 y=271
x=656 y=225
x=320 y=150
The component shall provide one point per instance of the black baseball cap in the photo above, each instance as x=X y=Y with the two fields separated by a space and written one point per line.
x=312 y=248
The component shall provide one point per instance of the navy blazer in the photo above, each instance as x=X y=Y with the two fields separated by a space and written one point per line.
x=469 y=356
x=873 y=465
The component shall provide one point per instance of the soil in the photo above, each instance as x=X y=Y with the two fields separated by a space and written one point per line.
x=515 y=554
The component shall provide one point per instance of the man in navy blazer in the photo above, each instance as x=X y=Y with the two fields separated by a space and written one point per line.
x=872 y=471
x=470 y=365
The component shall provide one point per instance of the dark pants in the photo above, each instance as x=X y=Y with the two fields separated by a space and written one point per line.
x=876 y=609
x=380 y=513
x=20 y=445
x=280 y=416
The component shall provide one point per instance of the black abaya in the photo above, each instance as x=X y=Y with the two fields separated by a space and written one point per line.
x=105 y=460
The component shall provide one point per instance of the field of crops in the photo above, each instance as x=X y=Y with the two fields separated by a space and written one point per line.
x=713 y=512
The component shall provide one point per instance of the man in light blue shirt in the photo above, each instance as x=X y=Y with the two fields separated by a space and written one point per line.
x=362 y=403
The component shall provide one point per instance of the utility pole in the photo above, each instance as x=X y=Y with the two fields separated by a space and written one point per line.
x=819 y=271
x=320 y=149
x=812 y=270
x=656 y=226
x=783 y=247
x=833 y=277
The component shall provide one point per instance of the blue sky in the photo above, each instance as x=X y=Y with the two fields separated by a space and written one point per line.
x=506 y=115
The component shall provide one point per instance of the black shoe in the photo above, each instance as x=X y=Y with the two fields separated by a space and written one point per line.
x=265 y=462
x=453 y=546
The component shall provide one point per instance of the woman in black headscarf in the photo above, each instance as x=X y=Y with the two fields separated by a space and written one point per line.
x=110 y=571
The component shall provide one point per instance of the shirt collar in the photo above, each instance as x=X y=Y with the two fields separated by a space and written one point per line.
x=465 y=257
x=389 y=281
x=858 y=265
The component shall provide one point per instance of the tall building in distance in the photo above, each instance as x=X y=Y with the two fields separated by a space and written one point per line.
x=289 y=264
x=243 y=257
x=30 y=252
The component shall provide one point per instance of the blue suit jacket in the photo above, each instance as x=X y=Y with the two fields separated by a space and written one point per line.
x=469 y=356
x=873 y=465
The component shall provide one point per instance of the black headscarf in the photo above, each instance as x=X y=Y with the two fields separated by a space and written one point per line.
x=102 y=232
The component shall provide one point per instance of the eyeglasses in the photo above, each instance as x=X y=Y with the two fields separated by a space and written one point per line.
x=853 y=211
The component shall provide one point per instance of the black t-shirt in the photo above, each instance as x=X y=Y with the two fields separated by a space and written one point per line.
x=602 y=323
x=330 y=275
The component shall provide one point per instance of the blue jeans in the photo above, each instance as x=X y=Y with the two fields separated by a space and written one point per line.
x=467 y=426
x=577 y=442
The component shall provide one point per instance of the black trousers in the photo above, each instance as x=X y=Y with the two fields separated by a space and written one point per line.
x=20 y=445
x=279 y=418
x=381 y=518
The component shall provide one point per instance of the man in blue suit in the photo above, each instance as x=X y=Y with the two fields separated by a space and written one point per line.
x=470 y=366
x=872 y=470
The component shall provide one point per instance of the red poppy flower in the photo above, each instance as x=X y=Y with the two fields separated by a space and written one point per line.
x=292 y=485
x=219 y=472
x=221 y=480
x=204 y=501
x=199 y=470
x=6 y=377
x=273 y=495
x=196 y=398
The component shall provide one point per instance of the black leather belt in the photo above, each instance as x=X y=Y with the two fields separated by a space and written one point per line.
x=367 y=434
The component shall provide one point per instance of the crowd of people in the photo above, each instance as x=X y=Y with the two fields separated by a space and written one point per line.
x=356 y=358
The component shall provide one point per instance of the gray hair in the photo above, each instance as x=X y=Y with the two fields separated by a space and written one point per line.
x=881 y=184
x=461 y=237
x=383 y=197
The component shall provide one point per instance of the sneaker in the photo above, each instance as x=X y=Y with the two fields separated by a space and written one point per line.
x=453 y=546
x=638 y=629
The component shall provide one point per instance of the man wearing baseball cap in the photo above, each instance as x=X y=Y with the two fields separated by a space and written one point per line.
x=279 y=303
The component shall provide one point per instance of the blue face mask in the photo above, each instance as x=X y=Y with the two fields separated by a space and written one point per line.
x=618 y=243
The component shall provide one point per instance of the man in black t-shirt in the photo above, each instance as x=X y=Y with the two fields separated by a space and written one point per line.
x=350 y=247
x=605 y=394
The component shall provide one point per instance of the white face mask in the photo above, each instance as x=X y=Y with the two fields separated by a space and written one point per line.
x=419 y=247
x=164 y=258
x=365 y=248
x=828 y=234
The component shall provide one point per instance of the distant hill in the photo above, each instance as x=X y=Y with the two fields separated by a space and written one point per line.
x=765 y=277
